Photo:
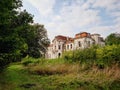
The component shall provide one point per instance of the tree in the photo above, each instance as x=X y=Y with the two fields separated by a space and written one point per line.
x=18 y=37
x=37 y=45
x=9 y=39
x=113 y=38
x=22 y=27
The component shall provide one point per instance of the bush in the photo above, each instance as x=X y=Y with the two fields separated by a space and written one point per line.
x=101 y=56
x=108 y=54
x=83 y=55
x=7 y=58
x=68 y=56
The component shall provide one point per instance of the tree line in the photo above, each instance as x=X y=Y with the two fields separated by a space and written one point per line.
x=19 y=36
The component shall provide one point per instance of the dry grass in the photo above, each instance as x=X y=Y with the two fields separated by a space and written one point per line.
x=55 y=69
x=108 y=73
x=80 y=76
x=79 y=71
x=75 y=74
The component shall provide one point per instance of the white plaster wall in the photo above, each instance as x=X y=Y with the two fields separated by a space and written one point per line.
x=96 y=38
x=85 y=42
x=76 y=45
x=69 y=44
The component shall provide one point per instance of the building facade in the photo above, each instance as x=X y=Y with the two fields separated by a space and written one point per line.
x=80 y=41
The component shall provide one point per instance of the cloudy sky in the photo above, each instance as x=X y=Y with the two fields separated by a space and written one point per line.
x=68 y=17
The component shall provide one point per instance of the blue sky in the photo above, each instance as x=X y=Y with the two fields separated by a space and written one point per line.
x=68 y=17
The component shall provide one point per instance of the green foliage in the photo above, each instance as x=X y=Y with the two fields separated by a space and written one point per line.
x=100 y=55
x=83 y=55
x=11 y=43
x=109 y=54
x=68 y=56
x=86 y=55
x=7 y=58
x=29 y=60
x=37 y=44
x=18 y=37
x=113 y=38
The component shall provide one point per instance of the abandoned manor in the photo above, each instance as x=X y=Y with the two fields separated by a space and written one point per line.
x=80 y=41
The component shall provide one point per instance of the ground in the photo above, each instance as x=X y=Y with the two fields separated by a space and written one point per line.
x=64 y=76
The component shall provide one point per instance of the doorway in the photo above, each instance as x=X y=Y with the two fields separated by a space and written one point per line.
x=59 y=54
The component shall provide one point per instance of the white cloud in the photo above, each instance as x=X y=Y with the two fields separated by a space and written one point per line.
x=45 y=7
x=107 y=4
x=72 y=17
x=78 y=16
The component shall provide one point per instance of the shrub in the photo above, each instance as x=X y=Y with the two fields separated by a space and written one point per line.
x=68 y=55
x=101 y=56
x=7 y=58
x=108 y=54
x=83 y=55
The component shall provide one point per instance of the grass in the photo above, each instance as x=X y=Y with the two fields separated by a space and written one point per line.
x=15 y=77
x=58 y=75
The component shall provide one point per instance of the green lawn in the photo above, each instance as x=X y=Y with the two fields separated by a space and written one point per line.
x=15 y=77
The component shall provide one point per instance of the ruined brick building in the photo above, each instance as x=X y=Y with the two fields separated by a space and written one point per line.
x=80 y=41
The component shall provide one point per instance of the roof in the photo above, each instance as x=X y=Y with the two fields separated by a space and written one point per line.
x=82 y=34
x=64 y=38
x=70 y=40
x=61 y=37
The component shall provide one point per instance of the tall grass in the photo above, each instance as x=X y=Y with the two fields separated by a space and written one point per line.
x=95 y=68
x=55 y=69
x=58 y=74
x=76 y=75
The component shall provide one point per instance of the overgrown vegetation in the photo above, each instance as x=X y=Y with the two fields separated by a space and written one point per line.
x=64 y=75
x=100 y=56
x=58 y=74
